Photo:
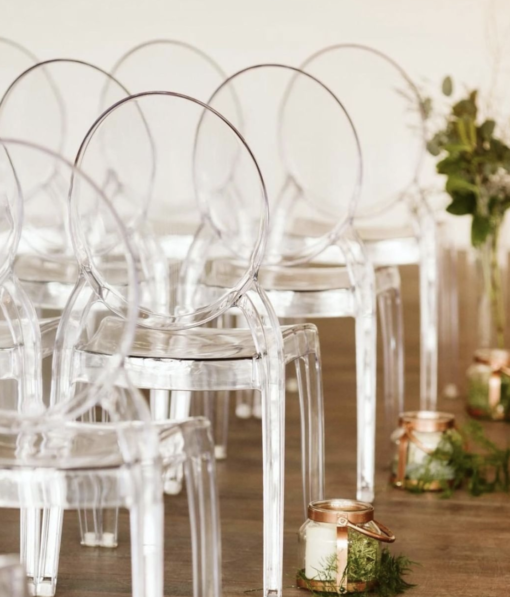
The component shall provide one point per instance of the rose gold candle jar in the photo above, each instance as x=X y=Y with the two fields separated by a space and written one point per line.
x=489 y=385
x=418 y=435
x=340 y=547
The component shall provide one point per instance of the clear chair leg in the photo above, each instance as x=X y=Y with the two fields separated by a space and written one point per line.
x=147 y=524
x=309 y=381
x=98 y=526
x=40 y=534
x=448 y=328
x=204 y=514
x=390 y=316
x=244 y=404
x=216 y=409
x=245 y=398
x=366 y=338
x=428 y=315
x=180 y=407
x=160 y=404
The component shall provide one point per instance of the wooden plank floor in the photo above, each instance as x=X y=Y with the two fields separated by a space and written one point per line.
x=462 y=544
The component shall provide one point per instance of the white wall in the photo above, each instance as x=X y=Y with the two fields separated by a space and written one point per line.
x=430 y=38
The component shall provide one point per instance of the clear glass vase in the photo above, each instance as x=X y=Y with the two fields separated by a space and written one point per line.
x=488 y=394
x=490 y=294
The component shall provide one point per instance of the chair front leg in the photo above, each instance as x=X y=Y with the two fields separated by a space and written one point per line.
x=392 y=327
x=448 y=326
x=147 y=524
x=203 y=508
x=362 y=277
x=270 y=366
x=40 y=537
x=428 y=310
x=309 y=380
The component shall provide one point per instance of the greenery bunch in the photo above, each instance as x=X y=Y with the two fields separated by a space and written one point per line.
x=476 y=164
x=364 y=564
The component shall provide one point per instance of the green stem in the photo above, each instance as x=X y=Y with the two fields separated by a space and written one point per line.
x=496 y=291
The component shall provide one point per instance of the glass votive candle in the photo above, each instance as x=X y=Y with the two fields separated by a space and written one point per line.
x=340 y=547
x=418 y=435
x=489 y=385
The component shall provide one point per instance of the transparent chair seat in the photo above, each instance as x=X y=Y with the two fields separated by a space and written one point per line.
x=48 y=330
x=78 y=445
x=385 y=245
x=48 y=283
x=74 y=445
x=196 y=344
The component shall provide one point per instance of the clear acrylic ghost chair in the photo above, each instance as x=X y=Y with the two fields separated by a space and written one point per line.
x=310 y=157
x=13 y=582
x=176 y=351
x=393 y=218
x=51 y=462
x=164 y=64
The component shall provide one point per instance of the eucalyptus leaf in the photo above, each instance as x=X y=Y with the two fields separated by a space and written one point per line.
x=447 y=86
x=455 y=183
x=433 y=148
x=487 y=129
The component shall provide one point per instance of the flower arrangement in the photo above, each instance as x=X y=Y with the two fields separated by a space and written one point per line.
x=476 y=164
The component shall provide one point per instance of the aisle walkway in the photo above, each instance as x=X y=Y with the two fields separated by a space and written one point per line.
x=462 y=544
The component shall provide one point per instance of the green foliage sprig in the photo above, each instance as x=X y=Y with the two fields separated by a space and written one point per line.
x=476 y=462
x=476 y=164
x=388 y=571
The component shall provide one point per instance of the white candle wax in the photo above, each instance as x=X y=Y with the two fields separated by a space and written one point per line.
x=320 y=551
x=429 y=441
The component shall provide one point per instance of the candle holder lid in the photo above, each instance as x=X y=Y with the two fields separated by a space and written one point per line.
x=333 y=511
x=349 y=513
x=497 y=358
x=427 y=420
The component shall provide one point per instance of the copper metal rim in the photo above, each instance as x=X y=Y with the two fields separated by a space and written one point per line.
x=341 y=511
x=330 y=587
x=427 y=420
x=496 y=358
